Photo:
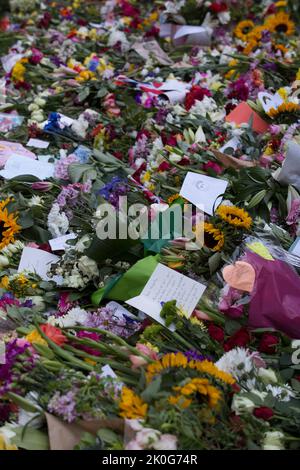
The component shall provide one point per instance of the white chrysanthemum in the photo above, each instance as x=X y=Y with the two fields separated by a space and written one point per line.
x=116 y=37
x=88 y=267
x=76 y=316
x=58 y=223
x=281 y=393
x=236 y=362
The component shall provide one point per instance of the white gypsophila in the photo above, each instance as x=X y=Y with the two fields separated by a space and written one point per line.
x=75 y=316
x=236 y=362
x=58 y=223
x=281 y=393
x=88 y=267
x=74 y=280
x=118 y=36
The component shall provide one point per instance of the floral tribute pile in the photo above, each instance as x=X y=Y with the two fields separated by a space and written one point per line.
x=152 y=102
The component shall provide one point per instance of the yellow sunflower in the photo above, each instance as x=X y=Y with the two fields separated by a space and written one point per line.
x=243 y=28
x=131 y=405
x=235 y=216
x=284 y=108
x=213 y=237
x=251 y=44
x=202 y=387
x=8 y=224
x=280 y=23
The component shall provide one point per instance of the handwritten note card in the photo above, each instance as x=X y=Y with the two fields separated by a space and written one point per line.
x=166 y=284
x=37 y=143
x=203 y=191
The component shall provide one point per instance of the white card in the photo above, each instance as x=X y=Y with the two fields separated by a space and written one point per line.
x=17 y=166
x=166 y=284
x=233 y=143
x=268 y=100
x=59 y=243
x=39 y=262
x=106 y=371
x=65 y=120
x=37 y=143
x=203 y=191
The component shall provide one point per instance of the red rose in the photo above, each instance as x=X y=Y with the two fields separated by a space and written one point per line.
x=240 y=339
x=216 y=333
x=216 y=7
x=263 y=412
x=54 y=334
x=196 y=93
x=268 y=343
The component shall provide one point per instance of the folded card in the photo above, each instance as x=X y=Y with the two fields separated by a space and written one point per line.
x=242 y=115
x=166 y=284
x=39 y=262
x=37 y=143
x=203 y=191
x=60 y=243
x=17 y=166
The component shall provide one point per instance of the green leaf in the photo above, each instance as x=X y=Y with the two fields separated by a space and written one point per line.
x=107 y=435
x=30 y=438
x=214 y=262
x=152 y=390
x=83 y=94
x=256 y=199
x=76 y=171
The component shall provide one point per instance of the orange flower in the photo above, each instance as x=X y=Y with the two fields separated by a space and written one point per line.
x=54 y=334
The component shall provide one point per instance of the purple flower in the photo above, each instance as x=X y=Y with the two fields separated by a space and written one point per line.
x=13 y=354
x=114 y=189
x=117 y=324
x=293 y=215
x=195 y=356
x=64 y=406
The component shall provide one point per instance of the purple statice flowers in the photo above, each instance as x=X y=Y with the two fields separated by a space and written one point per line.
x=64 y=406
x=120 y=325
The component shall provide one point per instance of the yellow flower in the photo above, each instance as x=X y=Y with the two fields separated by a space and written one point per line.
x=131 y=405
x=213 y=237
x=18 y=71
x=280 y=23
x=243 y=28
x=171 y=360
x=284 y=108
x=200 y=386
x=5 y=445
x=280 y=4
x=234 y=216
x=8 y=224
x=4 y=284
x=35 y=337
x=252 y=44
x=283 y=93
x=298 y=75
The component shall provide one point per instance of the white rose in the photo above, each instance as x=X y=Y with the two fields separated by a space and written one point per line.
x=147 y=437
x=268 y=376
x=33 y=107
x=175 y=158
x=241 y=405
x=273 y=440
x=40 y=102
x=4 y=261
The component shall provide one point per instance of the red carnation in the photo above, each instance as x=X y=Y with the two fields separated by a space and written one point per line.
x=263 y=412
x=216 y=332
x=268 y=343
x=196 y=93
x=240 y=339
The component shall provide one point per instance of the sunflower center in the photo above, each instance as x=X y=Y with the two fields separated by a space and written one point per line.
x=281 y=28
x=1 y=228
x=209 y=240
